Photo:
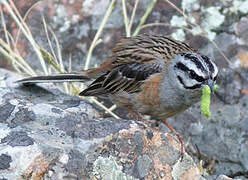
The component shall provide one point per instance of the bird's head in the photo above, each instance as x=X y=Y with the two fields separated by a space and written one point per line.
x=191 y=71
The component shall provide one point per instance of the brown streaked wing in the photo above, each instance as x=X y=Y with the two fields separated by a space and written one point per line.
x=147 y=49
x=126 y=77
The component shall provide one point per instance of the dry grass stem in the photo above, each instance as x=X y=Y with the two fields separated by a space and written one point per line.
x=132 y=16
x=126 y=21
x=99 y=31
x=24 y=19
x=22 y=25
x=145 y=16
x=4 y=26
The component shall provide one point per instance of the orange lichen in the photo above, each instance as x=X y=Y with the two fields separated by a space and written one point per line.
x=37 y=169
x=191 y=174
x=243 y=58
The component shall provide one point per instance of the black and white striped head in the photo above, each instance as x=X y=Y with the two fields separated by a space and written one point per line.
x=193 y=70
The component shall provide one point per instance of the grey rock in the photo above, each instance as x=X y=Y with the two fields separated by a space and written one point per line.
x=244 y=74
x=225 y=40
x=18 y=138
x=75 y=162
x=224 y=177
x=195 y=129
x=6 y=109
x=230 y=86
x=51 y=135
x=5 y=161
x=244 y=154
x=23 y=115
x=241 y=29
x=143 y=165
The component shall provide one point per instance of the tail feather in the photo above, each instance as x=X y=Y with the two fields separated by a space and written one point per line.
x=54 y=78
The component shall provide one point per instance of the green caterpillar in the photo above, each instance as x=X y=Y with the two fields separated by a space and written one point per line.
x=206 y=99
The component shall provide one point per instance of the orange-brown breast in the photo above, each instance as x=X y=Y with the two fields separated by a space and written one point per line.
x=149 y=94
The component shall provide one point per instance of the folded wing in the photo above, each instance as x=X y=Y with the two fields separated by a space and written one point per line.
x=126 y=77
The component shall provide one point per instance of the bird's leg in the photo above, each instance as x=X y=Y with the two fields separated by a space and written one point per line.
x=179 y=137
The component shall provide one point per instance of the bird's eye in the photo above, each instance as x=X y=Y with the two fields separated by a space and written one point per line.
x=192 y=74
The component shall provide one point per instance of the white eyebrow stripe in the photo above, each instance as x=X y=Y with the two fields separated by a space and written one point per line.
x=191 y=65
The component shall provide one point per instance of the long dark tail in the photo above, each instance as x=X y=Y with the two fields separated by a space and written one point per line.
x=55 y=78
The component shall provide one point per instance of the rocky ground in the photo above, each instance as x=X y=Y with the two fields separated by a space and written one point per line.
x=45 y=133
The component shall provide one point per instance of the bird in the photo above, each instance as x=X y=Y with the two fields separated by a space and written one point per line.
x=147 y=74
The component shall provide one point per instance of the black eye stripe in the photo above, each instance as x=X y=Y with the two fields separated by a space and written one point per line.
x=215 y=77
x=191 y=73
x=188 y=87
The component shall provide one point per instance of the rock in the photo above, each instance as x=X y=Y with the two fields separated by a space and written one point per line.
x=241 y=30
x=5 y=161
x=230 y=91
x=51 y=135
x=224 y=177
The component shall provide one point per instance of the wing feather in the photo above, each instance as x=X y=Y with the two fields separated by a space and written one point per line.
x=127 y=77
x=147 y=49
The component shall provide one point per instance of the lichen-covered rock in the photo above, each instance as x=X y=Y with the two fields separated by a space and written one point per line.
x=140 y=153
x=51 y=135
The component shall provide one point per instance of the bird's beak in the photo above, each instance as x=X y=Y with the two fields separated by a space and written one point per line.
x=210 y=83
